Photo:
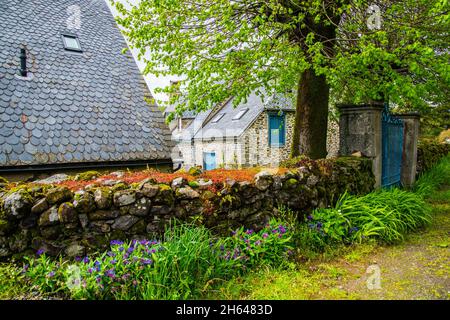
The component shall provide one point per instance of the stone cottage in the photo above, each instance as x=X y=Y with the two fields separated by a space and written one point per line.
x=69 y=98
x=255 y=133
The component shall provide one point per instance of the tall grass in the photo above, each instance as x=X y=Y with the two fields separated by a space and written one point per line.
x=433 y=178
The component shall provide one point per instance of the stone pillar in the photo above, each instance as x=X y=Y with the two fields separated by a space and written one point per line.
x=360 y=131
x=410 y=139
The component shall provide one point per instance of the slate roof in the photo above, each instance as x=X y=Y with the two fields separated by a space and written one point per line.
x=227 y=127
x=74 y=107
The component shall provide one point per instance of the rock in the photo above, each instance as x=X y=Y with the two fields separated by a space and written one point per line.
x=29 y=222
x=58 y=195
x=277 y=183
x=312 y=180
x=51 y=232
x=124 y=222
x=75 y=250
x=141 y=207
x=84 y=202
x=46 y=246
x=18 y=204
x=263 y=180
x=124 y=197
x=165 y=195
x=149 y=190
x=139 y=227
x=56 y=178
x=40 y=206
x=204 y=183
x=160 y=210
x=187 y=193
x=110 y=183
x=67 y=213
x=178 y=182
x=19 y=242
x=5 y=226
x=84 y=220
x=103 y=214
x=118 y=174
x=101 y=226
x=103 y=198
x=49 y=217
x=357 y=154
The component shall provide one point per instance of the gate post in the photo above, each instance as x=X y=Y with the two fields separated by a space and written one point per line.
x=360 y=130
x=410 y=139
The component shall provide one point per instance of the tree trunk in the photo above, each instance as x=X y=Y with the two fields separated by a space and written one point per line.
x=311 y=117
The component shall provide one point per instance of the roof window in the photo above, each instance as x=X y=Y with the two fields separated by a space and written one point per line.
x=240 y=114
x=217 y=118
x=71 y=42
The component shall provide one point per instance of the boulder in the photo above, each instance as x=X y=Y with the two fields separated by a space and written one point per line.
x=56 y=178
x=58 y=195
x=103 y=198
x=84 y=202
x=103 y=214
x=263 y=180
x=124 y=222
x=124 y=197
x=178 y=182
x=75 y=250
x=18 y=204
x=187 y=193
x=204 y=183
x=141 y=207
x=149 y=190
x=67 y=213
x=49 y=217
x=40 y=206
x=101 y=226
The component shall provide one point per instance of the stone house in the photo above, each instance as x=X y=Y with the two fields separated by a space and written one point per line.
x=255 y=133
x=70 y=98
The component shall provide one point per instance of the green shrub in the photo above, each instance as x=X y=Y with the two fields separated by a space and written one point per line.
x=431 y=179
x=429 y=152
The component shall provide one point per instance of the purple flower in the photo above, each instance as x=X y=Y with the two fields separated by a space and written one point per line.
x=310 y=217
x=249 y=231
x=86 y=259
x=90 y=270
x=116 y=242
x=25 y=267
x=51 y=274
x=222 y=248
x=258 y=242
x=78 y=258
x=265 y=235
x=146 y=261
x=98 y=279
x=113 y=261
x=121 y=248
x=319 y=225
x=110 y=273
x=111 y=254
x=282 y=229
x=40 y=251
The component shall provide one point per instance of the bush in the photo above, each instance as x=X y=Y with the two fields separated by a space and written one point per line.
x=430 y=180
x=385 y=215
x=187 y=263
x=429 y=152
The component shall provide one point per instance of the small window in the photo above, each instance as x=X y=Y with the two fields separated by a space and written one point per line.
x=240 y=114
x=276 y=130
x=217 y=118
x=71 y=42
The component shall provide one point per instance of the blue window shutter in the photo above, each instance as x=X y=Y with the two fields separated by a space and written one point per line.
x=276 y=130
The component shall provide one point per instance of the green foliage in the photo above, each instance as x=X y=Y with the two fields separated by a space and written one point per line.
x=429 y=181
x=186 y=264
x=3 y=180
x=10 y=276
x=429 y=152
x=88 y=175
x=384 y=215
x=229 y=49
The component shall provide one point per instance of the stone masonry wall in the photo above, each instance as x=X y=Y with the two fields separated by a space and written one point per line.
x=59 y=221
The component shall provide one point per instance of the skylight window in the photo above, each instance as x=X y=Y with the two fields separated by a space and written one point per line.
x=71 y=42
x=240 y=114
x=217 y=118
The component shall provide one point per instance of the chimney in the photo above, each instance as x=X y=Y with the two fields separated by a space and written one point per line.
x=23 y=63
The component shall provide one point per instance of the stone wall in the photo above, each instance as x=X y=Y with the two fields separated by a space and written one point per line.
x=58 y=220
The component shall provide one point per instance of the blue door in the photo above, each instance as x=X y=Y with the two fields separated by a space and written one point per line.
x=392 y=140
x=209 y=160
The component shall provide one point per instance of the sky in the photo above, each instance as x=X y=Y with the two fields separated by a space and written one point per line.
x=152 y=81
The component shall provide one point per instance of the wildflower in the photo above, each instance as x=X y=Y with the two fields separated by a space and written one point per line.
x=265 y=235
x=111 y=254
x=78 y=258
x=130 y=249
x=146 y=261
x=98 y=279
x=116 y=242
x=90 y=270
x=86 y=259
x=121 y=249
x=282 y=229
x=40 y=251
x=51 y=274
x=113 y=261
x=258 y=242
x=110 y=273
x=222 y=248
x=247 y=241
x=319 y=225
x=25 y=267
x=309 y=217
x=249 y=231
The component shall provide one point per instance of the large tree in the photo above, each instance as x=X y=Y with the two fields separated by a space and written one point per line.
x=357 y=50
